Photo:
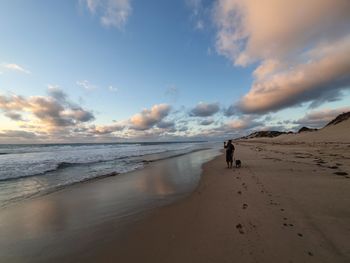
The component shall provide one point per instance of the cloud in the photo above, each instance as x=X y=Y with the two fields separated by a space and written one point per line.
x=56 y=92
x=182 y=128
x=13 y=116
x=320 y=79
x=113 y=89
x=246 y=122
x=107 y=129
x=302 y=49
x=199 y=25
x=231 y=110
x=319 y=118
x=204 y=109
x=166 y=124
x=194 y=4
x=52 y=112
x=15 y=67
x=86 y=85
x=17 y=134
x=114 y=13
x=150 y=117
x=199 y=13
x=206 y=122
x=172 y=92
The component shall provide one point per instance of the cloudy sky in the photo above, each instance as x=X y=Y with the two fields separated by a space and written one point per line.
x=132 y=70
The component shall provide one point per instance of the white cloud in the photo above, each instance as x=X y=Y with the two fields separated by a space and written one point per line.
x=195 y=5
x=199 y=25
x=113 y=13
x=302 y=49
x=15 y=67
x=113 y=89
x=86 y=85
x=199 y=13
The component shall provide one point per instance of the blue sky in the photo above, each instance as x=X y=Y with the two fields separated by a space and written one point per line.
x=106 y=70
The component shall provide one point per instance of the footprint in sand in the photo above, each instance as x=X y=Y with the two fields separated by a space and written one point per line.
x=342 y=174
x=245 y=206
x=333 y=167
x=240 y=228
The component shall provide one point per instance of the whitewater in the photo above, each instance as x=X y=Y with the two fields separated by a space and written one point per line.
x=30 y=170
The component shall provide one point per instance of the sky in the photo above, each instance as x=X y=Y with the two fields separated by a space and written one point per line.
x=164 y=70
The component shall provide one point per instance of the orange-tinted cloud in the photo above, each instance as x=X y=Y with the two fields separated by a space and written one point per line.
x=302 y=49
x=50 y=112
x=149 y=117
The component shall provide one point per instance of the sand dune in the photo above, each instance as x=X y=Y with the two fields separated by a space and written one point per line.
x=334 y=133
x=338 y=133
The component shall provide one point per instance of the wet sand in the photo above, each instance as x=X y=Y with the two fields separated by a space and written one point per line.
x=286 y=204
x=77 y=222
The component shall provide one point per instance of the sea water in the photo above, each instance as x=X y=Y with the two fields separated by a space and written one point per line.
x=29 y=170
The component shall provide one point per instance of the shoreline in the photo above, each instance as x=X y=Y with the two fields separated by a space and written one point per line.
x=146 y=160
x=85 y=216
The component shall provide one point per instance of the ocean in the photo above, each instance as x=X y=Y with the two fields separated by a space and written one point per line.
x=31 y=170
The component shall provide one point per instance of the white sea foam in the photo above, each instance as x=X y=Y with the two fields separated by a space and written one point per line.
x=26 y=170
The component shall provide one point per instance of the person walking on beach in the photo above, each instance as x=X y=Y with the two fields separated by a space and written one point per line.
x=229 y=153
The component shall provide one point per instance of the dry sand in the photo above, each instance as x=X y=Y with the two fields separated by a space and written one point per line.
x=339 y=133
x=285 y=204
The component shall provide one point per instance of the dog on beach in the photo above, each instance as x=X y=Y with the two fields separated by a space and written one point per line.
x=238 y=163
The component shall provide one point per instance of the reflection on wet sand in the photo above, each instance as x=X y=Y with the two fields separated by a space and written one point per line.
x=61 y=225
x=177 y=177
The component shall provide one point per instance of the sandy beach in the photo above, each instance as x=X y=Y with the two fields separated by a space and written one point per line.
x=289 y=202
x=286 y=204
